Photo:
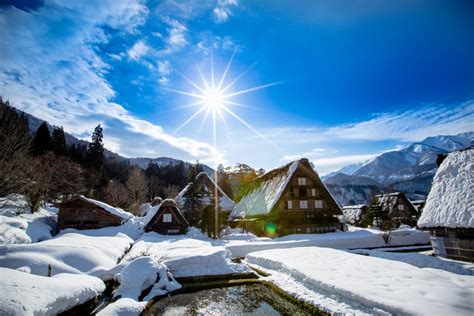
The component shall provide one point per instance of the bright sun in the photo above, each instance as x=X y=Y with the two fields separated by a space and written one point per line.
x=213 y=99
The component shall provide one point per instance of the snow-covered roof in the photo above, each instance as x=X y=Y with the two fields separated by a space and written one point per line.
x=353 y=213
x=390 y=200
x=225 y=203
x=263 y=198
x=450 y=202
x=110 y=209
x=155 y=209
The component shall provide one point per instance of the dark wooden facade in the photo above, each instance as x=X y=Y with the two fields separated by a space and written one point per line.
x=79 y=213
x=453 y=243
x=398 y=208
x=304 y=207
x=168 y=220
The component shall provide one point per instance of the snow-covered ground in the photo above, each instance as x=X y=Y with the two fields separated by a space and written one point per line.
x=28 y=294
x=186 y=256
x=70 y=252
x=343 y=282
x=355 y=238
x=19 y=226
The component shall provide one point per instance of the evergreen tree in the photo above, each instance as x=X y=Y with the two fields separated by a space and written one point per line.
x=42 y=140
x=193 y=196
x=95 y=153
x=375 y=215
x=59 y=141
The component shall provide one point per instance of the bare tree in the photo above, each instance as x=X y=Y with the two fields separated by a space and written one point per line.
x=171 y=191
x=117 y=194
x=14 y=146
x=137 y=188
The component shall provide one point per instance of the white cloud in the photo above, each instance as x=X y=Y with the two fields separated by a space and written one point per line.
x=177 y=34
x=59 y=77
x=411 y=125
x=138 y=50
x=326 y=165
x=164 y=67
x=223 y=10
x=314 y=153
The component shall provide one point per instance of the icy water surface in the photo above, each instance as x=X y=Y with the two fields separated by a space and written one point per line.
x=237 y=300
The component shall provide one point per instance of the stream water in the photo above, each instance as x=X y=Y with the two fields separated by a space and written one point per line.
x=255 y=299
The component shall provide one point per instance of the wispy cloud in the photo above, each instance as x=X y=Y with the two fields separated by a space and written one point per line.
x=223 y=10
x=312 y=154
x=138 y=50
x=59 y=76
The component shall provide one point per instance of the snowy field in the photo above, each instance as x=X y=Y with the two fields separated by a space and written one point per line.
x=355 y=238
x=379 y=283
x=19 y=226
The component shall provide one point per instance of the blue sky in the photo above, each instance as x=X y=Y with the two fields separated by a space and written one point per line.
x=357 y=77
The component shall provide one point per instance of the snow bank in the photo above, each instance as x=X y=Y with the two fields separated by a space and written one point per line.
x=68 y=253
x=361 y=238
x=185 y=256
x=236 y=234
x=19 y=226
x=422 y=261
x=450 y=202
x=123 y=307
x=370 y=284
x=27 y=294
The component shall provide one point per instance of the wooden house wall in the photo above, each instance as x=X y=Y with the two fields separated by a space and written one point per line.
x=176 y=226
x=79 y=214
x=458 y=243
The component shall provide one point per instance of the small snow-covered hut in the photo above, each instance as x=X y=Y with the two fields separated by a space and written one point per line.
x=449 y=210
x=398 y=207
x=353 y=213
x=85 y=213
x=288 y=200
x=166 y=219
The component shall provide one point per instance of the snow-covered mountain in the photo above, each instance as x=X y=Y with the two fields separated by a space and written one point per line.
x=410 y=169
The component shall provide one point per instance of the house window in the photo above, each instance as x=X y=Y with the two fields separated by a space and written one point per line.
x=318 y=204
x=401 y=207
x=167 y=218
x=301 y=181
x=303 y=204
x=313 y=192
x=290 y=205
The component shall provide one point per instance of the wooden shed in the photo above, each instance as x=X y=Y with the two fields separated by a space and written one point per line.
x=449 y=211
x=167 y=219
x=85 y=213
x=288 y=200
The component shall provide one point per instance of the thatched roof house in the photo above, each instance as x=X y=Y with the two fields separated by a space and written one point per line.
x=286 y=200
x=449 y=210
x=85 y=213
x=353 y=213
x=398 y=207
x=166 y=219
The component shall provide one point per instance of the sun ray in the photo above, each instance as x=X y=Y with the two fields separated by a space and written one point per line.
x=239 y=104
x=233 y=94
x=184 y=93
x=204 y=120
x=204 y=81
x=189 y=120
x=189 y=105
x=219 y=86
x=238 y=78
x=212 y=71
x=241 y=120
x=191 y=82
